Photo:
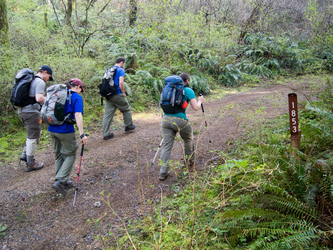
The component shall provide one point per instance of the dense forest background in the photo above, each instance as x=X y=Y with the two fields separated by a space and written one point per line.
x=220 y=43
x=217 y=42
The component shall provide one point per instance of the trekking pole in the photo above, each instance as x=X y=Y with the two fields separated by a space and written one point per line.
x=152 y=163
x=203 y=112
x=78 y=175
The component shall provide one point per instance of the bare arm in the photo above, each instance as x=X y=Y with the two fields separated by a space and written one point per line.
x=121 y=85
x=40 y=98
x=79 y=124
x=196 y=105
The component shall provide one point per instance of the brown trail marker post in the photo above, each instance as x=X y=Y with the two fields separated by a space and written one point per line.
x=295 y=134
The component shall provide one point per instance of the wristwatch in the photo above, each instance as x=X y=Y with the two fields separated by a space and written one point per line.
x=83 y=135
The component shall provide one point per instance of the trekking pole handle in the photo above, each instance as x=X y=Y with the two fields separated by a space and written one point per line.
x=82 y=149
x=203 y=111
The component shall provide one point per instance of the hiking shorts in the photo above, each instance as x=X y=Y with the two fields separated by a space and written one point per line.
x=31 y=121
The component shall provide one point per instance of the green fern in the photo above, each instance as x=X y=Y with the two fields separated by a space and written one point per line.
x=264 y=229
x=230 y=76
x=291 y=207
x=3 y=229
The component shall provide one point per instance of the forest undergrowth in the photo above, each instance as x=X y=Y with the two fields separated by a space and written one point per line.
x=259 y=195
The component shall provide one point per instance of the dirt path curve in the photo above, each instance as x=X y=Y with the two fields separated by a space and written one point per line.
x=37 y=219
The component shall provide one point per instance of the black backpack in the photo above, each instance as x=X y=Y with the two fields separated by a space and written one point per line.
x=108 y=86
x=172 y=95
x=20 y=91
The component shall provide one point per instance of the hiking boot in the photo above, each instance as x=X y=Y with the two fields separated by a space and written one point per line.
x=109 y=136
x=23 y=158
x=129 y=128
x=33 y=165
x=68 y=184
x=163 y=176
x=59 y=187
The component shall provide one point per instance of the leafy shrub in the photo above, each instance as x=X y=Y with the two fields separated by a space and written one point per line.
x=230 y=76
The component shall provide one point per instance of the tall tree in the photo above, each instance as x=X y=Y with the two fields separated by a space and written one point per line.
x=4 y=38
x=133 y=12
x=69 y=11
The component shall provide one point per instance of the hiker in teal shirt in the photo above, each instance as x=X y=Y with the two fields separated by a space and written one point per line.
x=173 y=123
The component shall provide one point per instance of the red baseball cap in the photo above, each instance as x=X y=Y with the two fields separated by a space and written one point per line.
x=77 y=82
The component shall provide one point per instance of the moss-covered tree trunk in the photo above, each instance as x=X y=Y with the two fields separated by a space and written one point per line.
x=69 y=11
x=4 y=38
x=133 y=12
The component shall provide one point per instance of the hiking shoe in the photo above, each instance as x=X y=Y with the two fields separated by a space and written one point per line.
x=59 y=187
x=162 y=177
x=34 y=166
x=130 y=128
x=68 y=184
x=23 y=158
x=109 y=136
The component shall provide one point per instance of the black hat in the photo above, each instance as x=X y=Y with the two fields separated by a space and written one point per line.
x=48 y=70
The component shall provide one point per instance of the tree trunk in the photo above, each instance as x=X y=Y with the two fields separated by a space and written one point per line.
x=4 y=38
x=133 y=12
x=249 y=22
x=69 y=11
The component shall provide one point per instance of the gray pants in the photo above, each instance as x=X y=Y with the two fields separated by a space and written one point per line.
x=64 y=148
x=31 y=121
x=170 y=126
x=111 y=105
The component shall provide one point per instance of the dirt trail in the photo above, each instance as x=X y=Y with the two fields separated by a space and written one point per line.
x=38 y=220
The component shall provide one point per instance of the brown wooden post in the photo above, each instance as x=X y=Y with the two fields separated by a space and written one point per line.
x=295 y=134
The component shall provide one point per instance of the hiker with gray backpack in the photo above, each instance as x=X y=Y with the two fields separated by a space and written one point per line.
x=175 y=97
x=62 y=109
x=27 y=94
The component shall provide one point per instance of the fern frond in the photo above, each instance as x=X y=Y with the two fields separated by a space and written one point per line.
x=294 y=207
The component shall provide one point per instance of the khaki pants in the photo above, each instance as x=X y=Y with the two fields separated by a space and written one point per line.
x=111 y=105
x=170 y=126
x=64 y=148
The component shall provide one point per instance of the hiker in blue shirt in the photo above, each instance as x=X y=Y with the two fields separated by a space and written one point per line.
x=63 y=137
x=178 y=122
x=117 y=101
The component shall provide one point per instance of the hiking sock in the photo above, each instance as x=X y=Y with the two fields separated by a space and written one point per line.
x=31 y=146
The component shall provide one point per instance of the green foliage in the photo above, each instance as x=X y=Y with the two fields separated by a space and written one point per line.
x=271 y=200
x=230 y=76
x=3 y=229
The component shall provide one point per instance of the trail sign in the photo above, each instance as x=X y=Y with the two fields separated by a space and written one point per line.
x=295 y=133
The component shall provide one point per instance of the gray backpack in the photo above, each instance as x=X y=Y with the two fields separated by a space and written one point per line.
x=53 y=110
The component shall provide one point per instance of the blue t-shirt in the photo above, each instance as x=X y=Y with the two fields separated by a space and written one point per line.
x=120 y=72
x=75 y=106
x=189 y=95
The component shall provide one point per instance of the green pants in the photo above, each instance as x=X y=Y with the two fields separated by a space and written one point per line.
x=111 y=105
x=170 y=126
x=64 y=148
